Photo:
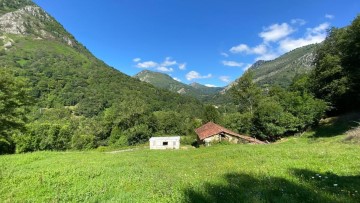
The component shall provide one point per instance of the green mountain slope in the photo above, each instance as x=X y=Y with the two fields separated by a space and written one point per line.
x=283 y=69
x=77 y=93
x=164 y=81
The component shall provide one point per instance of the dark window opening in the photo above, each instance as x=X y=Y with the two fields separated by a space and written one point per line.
x=165 y=143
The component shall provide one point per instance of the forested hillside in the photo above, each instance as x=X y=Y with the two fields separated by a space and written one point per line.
x=77 y=101
x=164 y=81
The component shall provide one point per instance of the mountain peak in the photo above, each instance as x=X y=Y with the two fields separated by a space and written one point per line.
x=195 y=84
x=22 y=17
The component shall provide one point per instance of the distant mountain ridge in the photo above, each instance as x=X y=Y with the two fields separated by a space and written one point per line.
x=164 y=81
x=283 y=69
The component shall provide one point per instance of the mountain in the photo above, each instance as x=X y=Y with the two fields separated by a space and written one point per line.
x=79 y=101
x=164 y=81
x=283 y=69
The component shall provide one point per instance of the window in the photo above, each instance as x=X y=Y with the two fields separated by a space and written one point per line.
x=165 y=143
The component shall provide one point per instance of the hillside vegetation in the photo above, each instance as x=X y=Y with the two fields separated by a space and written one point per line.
x=77 y=100
x=314 y=167
x=164 y=81
x=282 y=70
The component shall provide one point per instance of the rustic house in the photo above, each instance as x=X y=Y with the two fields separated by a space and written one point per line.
x=212 y=132
x=165 y=142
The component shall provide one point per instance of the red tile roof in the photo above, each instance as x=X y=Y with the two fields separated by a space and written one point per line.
x=211 y=129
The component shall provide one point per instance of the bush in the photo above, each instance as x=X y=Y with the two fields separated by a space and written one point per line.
x=83 y=142
x=271 y=121
x=188 y=140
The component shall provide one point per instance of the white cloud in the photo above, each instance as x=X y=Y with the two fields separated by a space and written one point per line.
x=313 y=35
x=319 y=29
x=195 y=75
x=224 y=54
x=329 y=16
x=168 y=62
x=177 y=79
x=166 y=66
x=277 y=39
x=137 y=60
x=260 y=49
x=225 y=79
x=232 y=63
x=275 y=32
x=182 y=66
x=210 y=85
x=147 y=64
x=240 y=48
x=164 y=69
x=298 y=21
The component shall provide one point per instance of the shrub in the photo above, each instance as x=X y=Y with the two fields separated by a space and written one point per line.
x=83 y=141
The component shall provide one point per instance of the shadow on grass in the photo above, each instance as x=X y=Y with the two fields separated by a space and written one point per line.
x=246 y=188
x=344 y=187
x=336 y=125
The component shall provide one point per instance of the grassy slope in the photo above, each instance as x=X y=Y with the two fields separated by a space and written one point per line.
x=301 y=169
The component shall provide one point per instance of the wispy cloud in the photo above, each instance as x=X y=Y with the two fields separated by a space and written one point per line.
x=275 y=32
x=137 y=60
x=210 y=85
x=240 y=48
x=225 y=79
x=298 y=21
x=177 y=79
x=168 y=62
x=329 y=16
x=232 y=63
x=224 y=54
x=164 y=69
x=195 y=75
x=147 y=64
x=182 y=66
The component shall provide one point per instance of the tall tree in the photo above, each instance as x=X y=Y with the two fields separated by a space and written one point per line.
x=14 y=96
x=337 y=72
x=246 y=93
x=211 y=114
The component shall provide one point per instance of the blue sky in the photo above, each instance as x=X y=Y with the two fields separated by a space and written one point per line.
x=210 y=42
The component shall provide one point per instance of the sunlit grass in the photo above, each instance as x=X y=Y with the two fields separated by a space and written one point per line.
x=298 y=169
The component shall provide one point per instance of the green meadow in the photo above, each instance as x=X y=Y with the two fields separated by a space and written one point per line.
x=318 y=166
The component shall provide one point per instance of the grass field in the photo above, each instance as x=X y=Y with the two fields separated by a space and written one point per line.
x=315 y=167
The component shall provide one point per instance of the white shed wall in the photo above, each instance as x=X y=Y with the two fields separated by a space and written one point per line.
x=164 y=143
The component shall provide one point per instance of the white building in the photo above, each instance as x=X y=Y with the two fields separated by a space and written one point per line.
x=165 y=142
